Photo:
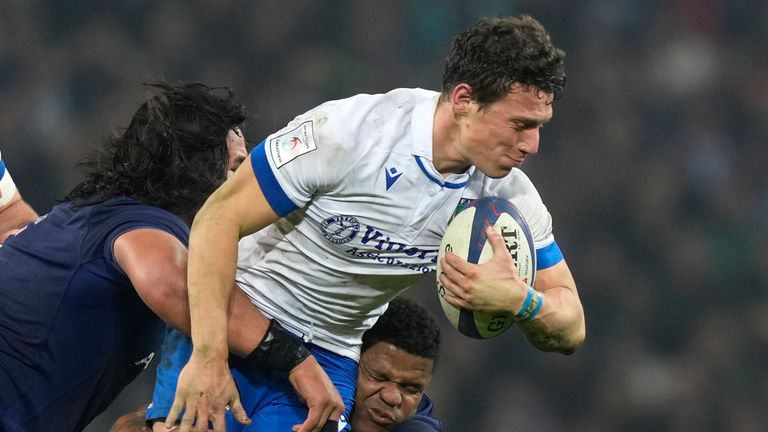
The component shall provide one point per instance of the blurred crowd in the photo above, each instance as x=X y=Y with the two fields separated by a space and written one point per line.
x=652 y=169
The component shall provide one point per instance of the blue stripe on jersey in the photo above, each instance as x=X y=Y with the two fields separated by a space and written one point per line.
x=449 y=185
x=548 y=256
x=276 y=197
x=2 y=169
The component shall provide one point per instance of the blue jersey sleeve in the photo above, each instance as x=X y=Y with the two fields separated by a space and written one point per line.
x=548 y=256
x=276 y=196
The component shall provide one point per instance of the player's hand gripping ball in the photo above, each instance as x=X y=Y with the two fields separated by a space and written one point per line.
x=465 y=236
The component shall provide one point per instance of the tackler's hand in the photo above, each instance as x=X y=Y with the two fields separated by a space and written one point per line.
x=322 y=398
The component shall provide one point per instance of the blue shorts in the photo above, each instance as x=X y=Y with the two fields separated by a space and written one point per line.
x=267 y=396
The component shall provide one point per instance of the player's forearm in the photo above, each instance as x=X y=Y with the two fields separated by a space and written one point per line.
x=15 y=215
x=212 y=262
x=246 y=324
x=560 y=325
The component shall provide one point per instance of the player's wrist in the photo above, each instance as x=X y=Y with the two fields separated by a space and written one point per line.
x=207 y=353
x=279 y=350
x=532 y=304
x=209 y=337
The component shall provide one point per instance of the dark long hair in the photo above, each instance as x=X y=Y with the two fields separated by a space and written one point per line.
x=172 y=155
x=495 y=53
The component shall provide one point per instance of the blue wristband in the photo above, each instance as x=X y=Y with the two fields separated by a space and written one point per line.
x=537 y=308
x=531 y=305
x=521 y=315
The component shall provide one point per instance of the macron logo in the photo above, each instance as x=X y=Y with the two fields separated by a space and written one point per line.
x=392 y=176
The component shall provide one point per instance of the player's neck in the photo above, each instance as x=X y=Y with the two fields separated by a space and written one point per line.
x=446 y=141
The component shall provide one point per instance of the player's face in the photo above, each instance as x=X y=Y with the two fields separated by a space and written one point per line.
x=235 y=150
x=390 y=384
x=501 y=135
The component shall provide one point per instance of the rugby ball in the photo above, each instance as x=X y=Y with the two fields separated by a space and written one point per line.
x=465 y=236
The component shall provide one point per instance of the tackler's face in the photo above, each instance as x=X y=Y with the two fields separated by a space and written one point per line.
x=390 y=385
x=501 y=135
x=236 y=150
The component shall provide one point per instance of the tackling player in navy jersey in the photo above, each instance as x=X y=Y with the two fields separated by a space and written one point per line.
x=345 y=207
x=74 y=327
x=399 y=355
x=15 y=213
x=81 y=287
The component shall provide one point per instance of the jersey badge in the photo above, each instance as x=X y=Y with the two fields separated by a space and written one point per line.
x=392 y=175
x=288 y=146
x=340 y=229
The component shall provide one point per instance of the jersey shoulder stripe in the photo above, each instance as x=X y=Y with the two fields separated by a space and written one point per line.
x=548 y=256
x=276 y=197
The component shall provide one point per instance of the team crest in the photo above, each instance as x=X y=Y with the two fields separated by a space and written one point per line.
x=289 y=145
x=340 y=229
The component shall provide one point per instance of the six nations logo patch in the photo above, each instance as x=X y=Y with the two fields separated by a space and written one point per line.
x=340 y=229
x=291 y=144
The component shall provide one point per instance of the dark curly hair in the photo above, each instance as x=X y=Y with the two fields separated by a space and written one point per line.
x=495 y=53
x=173 y=154
x=409 y=327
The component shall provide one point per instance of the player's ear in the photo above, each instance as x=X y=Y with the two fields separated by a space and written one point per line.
x=461 y=98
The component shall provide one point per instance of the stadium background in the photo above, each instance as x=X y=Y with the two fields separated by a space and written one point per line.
x=652 y=169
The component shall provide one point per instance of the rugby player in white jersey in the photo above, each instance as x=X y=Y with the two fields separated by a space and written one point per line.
x=15 y=213
x=348 y=204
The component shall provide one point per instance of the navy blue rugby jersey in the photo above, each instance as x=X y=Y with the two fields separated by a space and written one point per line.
x=73 y=331
x=423 y=421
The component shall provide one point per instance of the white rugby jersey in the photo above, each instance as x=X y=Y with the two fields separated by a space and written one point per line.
x=363 y=212
x=7 y=187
